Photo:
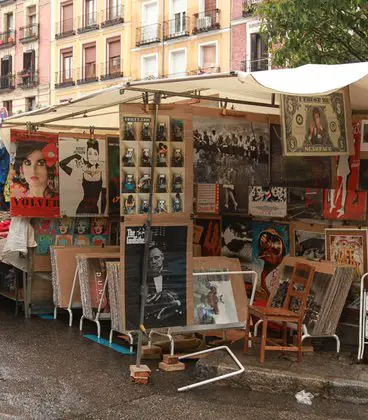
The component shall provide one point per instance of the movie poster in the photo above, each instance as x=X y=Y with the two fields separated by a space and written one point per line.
x=270 y=245
x=345 y=202
x=34 y=175
x=230 y=151
x=167 y=276
x=316 y=125
x=305 y=203
x=208 y=236
x=268 y=201
x=82 y=177
x=114 y=176
x=348 y=246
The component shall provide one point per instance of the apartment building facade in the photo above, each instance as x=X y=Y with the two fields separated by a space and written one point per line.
x=248 y=50
x=24 y=46
x=89 y=47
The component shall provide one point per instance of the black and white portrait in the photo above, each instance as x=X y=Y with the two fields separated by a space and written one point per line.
x=230 y=151
x=310 y=245
x=165 y=303
x=305 y=203
x=234 y=198
x=268 y=201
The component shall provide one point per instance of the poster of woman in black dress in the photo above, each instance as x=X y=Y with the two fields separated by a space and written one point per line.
x=82 y=176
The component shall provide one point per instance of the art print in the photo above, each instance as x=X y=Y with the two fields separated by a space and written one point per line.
x=177 y=129
x=348 y=246
x=64 y=231
x=167 y=276
x=83 y=177
x=114 y=175
x=82 y=240
x=345 y=202
x=234 y=199
x=210 y=237
x=364 y=136
x=305 y=203
x=268 y=201
x=308 y=241
x=270 y=245
x=34 y=175
x=230 y=151
x=207 y=198
x=316 y=125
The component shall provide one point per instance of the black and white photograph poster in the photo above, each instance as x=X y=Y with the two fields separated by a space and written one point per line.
x=305 y=203
x=308 y=240
x=230 y=151
x=83 y=177
x=166 y=301
x=268 y=201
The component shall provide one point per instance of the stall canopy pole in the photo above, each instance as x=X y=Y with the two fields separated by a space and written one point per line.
x=148 y=233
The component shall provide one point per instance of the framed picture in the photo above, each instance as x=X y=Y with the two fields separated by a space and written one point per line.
x=169 y=275
x=316 y=125
x=83 y=176
x=364 y=136
x=268 y=201
x=308 y=241
x=230 y=151
x=305 y=203
x=34 y=174
x=348 y=246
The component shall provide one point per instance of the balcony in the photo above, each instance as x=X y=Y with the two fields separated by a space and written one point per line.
x=113 y=16
x=249 y=7
x=205 y=70
x=7 y=82
x=176 y=28
x=64 y=79
x=148 y=34
x=28 y=79
x=88 y=23
x=112 y=69
x=258 y=64
x=7 y=39
x=65 y=28
x=29 y=33
x=206 y=21
x=87 y=74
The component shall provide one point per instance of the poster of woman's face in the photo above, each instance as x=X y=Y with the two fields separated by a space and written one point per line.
x=82 y=177
x=34 y=175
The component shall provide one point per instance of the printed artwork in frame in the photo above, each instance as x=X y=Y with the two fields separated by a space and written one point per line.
x=364 y=136
x=234 y=199
x=83 y=177
x=316 y=125
x=210 y=236
x=34 y=174
x=345 y=202
x=348 y=246
x=305 y=203
x=168 y=273
x=207 y=198
x=268 y=201
x=308 y=241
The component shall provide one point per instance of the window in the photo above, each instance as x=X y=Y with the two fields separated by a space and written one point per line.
x=31 y=13
x=9 y=106
x=9 y=22
x=66 y=65
x=31 y=103
x=113 y=63
x=149 y=68
x=89 y=13
x=29 y=60
x=89 y=52
x=258 y=53
x=178 y=9
x=67 y=17
x=208 y=58
x=177 y=63
x=113 y=9
x=149 y=21
x=6 y=72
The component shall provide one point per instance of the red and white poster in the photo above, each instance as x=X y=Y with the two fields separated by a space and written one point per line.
x=346 y=202
x=208 y=198
x=34 y=175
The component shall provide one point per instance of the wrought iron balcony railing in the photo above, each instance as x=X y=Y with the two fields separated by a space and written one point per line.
x=88 y=22
x=176 y=28
x=148 y=34
x=249 y=7
x=65 y=28
x=87 y=74
x=28 y=79
x=7 y=39
x=64 y=79
x=206 y=21
x=29 y=33
x=113 y=16
x=256 y=65
x=7 y=82
x=112 y=69
x=205 y=70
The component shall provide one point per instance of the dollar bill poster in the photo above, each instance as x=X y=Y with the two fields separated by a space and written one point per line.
x=316 y=125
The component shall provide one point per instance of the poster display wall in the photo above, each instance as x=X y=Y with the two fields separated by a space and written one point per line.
x=268 y=201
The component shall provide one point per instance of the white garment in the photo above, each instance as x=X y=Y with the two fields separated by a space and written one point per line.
x=158 y=283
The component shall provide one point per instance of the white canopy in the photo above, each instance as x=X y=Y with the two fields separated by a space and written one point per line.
x=252 y=92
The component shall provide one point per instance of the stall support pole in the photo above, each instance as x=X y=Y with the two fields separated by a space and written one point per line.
x=147 y=239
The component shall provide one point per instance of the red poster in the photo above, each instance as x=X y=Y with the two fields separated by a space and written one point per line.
x=34 y=175
x=345 y=202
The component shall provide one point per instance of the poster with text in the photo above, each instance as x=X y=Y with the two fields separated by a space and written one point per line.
x=166 y=299
x=268 y=201
x=34 y=175
x=207 y=198
x=316 y=125
x=82 y=177
x=345 y=202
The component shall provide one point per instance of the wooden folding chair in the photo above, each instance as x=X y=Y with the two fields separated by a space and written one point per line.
x=292 y=311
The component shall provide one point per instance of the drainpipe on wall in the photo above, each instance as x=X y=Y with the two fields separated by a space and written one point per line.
x=163 y=42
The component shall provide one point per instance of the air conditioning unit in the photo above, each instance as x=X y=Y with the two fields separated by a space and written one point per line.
x=204 y=22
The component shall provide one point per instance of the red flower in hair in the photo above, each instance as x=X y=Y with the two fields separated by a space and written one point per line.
x=51 y=154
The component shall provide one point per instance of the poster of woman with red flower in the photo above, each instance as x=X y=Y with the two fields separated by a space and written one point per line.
x=34 y=177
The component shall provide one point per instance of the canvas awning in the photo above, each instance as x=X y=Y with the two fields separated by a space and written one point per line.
x=251 y=92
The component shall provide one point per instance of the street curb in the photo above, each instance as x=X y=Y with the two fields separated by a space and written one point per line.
x=284 y=382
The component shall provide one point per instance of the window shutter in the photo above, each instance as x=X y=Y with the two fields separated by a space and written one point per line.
x=209 y=56
x=114 y=49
